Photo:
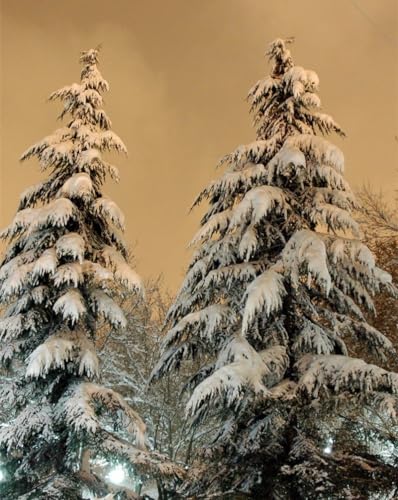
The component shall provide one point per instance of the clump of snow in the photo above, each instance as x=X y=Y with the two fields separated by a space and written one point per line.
x=68 y=274
x=217 y=223
x=306 y=248
x=16 y=280
x=71 y=245
x=257 y=203
x=53 y=353
x=57 y=213
x=105 y=305
x=46 y=264
x=264 y=294
x=122 y=271
x=318 y=149
x=77 y=186
x=109 y=209
x=70 y=305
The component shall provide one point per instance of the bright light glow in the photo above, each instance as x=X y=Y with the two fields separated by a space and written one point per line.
x=329 y=447
x=117 y=475
x=2 y=475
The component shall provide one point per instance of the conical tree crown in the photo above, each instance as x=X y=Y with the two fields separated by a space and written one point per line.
x=59 y=281
x=279 y=275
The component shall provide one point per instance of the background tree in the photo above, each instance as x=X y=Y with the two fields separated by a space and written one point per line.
x=60 y=277
x=274 y=289
x=379 y=221
x=128 y=357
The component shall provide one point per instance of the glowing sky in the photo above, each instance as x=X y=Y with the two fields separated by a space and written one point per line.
x=179 y=71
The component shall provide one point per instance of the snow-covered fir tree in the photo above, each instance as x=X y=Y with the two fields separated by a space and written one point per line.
x=60 y=279
x=278 y=281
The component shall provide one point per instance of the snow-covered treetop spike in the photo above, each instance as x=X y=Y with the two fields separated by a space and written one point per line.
x=280 y=55
x=90 y=56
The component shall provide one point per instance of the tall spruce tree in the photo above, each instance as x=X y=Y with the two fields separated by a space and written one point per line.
x=63 y=270
x=278 y=281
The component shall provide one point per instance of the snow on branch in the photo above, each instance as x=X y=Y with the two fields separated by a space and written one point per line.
x=204 y=322
x=35 y=418
x=231 y=181
x=257 y=204
x=240 y=368
x=16 y=281
x=99 y=274
x=55 y=352
x=318 y=149
x=298 y=81
x=230 y=274
x=327 y=174
x=107 y=208
x=71 y=245
x=342 y=373
x=101 y=303
x=82 y=410
x=264 y=294
x=122 y=271
x=288 y=156
x=248 y=243
x=334 y=218
x=46 y=264
x=60 y=135
x=9 y=266
x=262 y=89
x=11 y=327
x=313 y=339
x=70 y=305
x=147 y=463
x=230 y=381
x=217 y=223
x=256 y=152
x=56 y=213
x=77 y=186
x=69 y=274
x=306 y=248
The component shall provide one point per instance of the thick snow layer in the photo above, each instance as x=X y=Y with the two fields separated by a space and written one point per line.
x=300 y=80
x=77 y=186
x=257 y=204
x=16 y=281
x=217 y=223
x=123 y=273
x=70 y=305
x=105 y=305
x=206 y=322
x=107 y=208
x=46 y=264
x=56 y=213
x=307 y=248
x=343 y=373
x=79 y=411
x=318 y=149
x=53 y=353
x=68 y=274
x=247 y=369
x=71 y=245
x=264 y=294
x=99 y=274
